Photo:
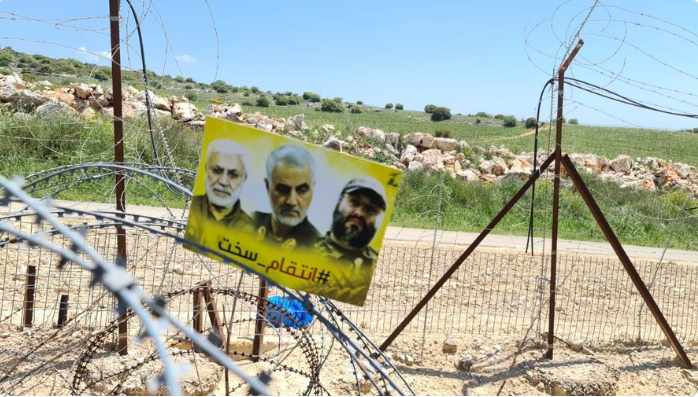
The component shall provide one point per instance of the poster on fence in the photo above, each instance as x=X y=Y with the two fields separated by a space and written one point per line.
x=306 y=217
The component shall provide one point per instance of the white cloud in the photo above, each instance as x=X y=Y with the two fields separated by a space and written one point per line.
x=100 y=57
x=185 y=58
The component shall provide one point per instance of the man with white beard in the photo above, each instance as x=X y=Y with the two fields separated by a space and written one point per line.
x=226 y=173
x=290 y=183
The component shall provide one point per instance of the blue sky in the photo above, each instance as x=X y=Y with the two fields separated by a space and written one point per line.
x=492 y=56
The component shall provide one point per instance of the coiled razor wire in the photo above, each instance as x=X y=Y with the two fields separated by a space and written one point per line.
x=364 y=355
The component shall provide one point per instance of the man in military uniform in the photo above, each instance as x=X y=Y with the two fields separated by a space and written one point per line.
x=226 y=173
x=357 y=215
x=290 y=183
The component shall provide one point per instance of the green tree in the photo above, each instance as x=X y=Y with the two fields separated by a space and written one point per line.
x=220 y=86
x=440 y=114
x=329 y=105
x=355 y=109
x=574 y=121
x=311 y=97
x=429 y=108
x=388 y=105
x=531 y=122
x=179 y=79
x=263 y=101
x=509 y=121
x=103 y=73
x=399 y=106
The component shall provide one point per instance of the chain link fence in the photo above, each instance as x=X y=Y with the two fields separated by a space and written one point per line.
x=493 y=292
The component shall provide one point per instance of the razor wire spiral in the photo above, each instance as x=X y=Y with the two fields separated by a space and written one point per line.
x=368 y=362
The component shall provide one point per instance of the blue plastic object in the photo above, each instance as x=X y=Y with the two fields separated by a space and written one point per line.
x=291 y=307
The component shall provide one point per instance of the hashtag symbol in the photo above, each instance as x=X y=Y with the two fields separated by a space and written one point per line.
x=323 y=276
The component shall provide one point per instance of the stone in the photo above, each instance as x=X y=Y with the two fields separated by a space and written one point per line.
x=377 y=136
x=577 y=345
x=328 y=128
x=409 y=360
x=415 y=166
x=445 y=144
x=450 y=346
x=622 y=164
x=419 y=139
x=54 y=109
x=334 y=144
x=183 y=111
x=408 y=154
x=467 y=175
x=82 y=91
x=465 y=362
x=392 y=138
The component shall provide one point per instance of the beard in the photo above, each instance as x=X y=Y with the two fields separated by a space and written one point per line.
x=289 y=221
x=349 y=235
x=224 y=202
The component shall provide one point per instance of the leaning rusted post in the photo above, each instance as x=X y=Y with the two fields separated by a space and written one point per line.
x=625 y=260
x=531 y=180
x=556 y=197
x=261 y=321
x=198 y=312
x=29 y=289
x=122 y=345
x=62 y=311
x=212 y=310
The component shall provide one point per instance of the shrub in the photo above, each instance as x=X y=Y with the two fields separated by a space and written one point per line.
x=399 y=106
x=359 y=103
x=179 y=79
x=5 y=71
x=247 y=103
x=509 y=121
x=482 y=114
x=220 y=86
x=294 y=100
x=443 y=133
x=254 y=89
x=188 y=86
x=531 y=122
x=478 y=121
x=263 y=101
x=429 y=108
x=388 y=105
x=190 y=80
x=574 y=121
x=499 y=117
x=355 y=109
x=329 y=105
x=311 y=97
x=337 y=99
x=6 y=59
x=441 y=113
x=103 y=73
x=281 y=100
x=190 y=95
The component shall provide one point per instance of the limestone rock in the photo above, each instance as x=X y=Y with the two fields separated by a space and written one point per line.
x=450 y=346
x=419 y=139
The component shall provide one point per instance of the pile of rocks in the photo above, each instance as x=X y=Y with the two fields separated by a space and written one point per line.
x=416 y=151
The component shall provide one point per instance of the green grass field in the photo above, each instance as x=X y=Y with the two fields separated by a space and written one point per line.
x=29 y=144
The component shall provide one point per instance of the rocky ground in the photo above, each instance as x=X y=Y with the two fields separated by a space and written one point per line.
x=456 y=365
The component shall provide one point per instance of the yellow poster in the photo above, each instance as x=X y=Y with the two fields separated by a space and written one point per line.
x=306 y=217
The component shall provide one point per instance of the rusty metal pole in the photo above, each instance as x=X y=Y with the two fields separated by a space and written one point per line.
x=625 y=260
x=466 y=254
x=29 y=290
x=261 y=320
x=122 y=345
x=556 y=197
